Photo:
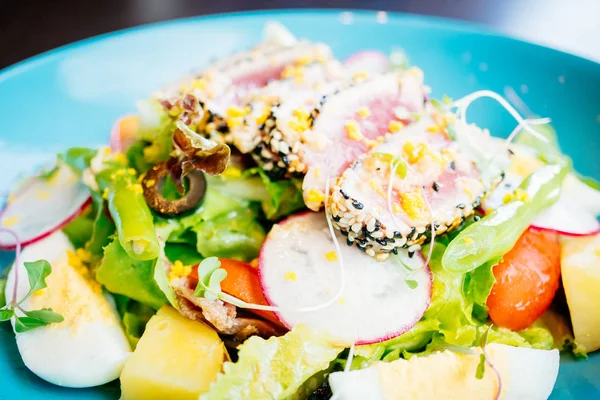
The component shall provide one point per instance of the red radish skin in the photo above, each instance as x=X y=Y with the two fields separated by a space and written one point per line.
x=47 y=233
x=41 y=207
x=396 y=328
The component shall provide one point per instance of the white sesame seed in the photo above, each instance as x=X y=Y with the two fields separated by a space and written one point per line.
x=296 y=147
x=281 y=164
x=389 y=235
x=349 y=204
x=284 y=148
x=270 y=123
x=371 y=252
x=275 y=145
x=414 y=248
x=301 y=167
x=264 y=153
x=421 y=229
x=356 y=227
x=371 y=225
x=268 y=166
x=382 y=256
x=377 y=235
x=276 y=134
x=352 y=221
x=400 y=242
x=348 y=215
x=343 y=222
x=361 y=217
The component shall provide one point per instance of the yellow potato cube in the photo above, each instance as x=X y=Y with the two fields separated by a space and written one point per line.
x=580 y=261
x=176 y=358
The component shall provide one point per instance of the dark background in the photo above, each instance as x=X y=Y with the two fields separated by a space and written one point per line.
x=29 y=27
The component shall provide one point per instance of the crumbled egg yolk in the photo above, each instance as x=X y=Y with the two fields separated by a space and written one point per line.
x=10 y=199
x=518 y=194
x=331 y=256
x=120 y=158
x=293 y=71
x=235 y=122
x=317 y=172
x=341 y=300
x=290 y=276
x=353 y=130
x=395 y=126
x=105 y=193
x=396 y=207
x=150 y=183
x=10 y=221
x=232 y=172
x=414 y=152
x=364 y=112
x=199 y=84
x=178 y=270
x=413 y=205
x=300 y=123
x=234 y=111
x=262 y=118
x=360 y=75
x=315 y=196
x=136 y=188
x=434 y=128
x=42 y=194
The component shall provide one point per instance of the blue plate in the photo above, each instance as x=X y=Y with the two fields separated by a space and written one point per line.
x=72 y=96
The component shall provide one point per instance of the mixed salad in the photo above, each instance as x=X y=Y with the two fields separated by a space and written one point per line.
x=283 y=225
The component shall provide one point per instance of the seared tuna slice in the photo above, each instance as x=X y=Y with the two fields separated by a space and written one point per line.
x=390 y=197
x=224 y=88
x=320 y=136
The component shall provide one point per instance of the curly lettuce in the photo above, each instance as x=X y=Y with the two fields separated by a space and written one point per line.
x=276 y=368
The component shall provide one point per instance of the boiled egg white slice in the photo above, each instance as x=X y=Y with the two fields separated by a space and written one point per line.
x=526 y=374
x=89 y=348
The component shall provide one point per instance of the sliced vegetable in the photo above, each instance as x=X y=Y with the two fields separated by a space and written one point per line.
x=241 y=282
x=567 y=219
x=275 y=368
x=496 y=233
x=123 y=133
x=130 y=212
x=526 y=280
x=176 y=358
x=301 y=271
x=41 y=206
x=153 y=185
x=451 y=374
x=580 y=264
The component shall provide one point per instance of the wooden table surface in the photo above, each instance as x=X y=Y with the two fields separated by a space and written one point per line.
x=29 y=27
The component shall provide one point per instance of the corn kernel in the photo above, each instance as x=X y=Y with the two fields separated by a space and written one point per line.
x=413 y=205
x=315 y=196
x=353 y=130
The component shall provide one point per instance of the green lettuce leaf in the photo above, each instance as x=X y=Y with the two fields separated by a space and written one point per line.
x=135 y=316
x=156 y=131
x=79 y=231
x=285 y=197
x=275 y=368
x=236 y=234
x=123 y=275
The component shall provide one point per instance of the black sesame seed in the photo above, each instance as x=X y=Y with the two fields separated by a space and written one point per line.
x=349 y=242
x=436 y=186
x=398 y=235
x=345 y=233
x=502 y=174
x=381 y=241
x=336 y=218
x=344 y=194
x=377 y=224
x=461 y=205
x=476 y=218
x=411 y=254
x=395 y=250
x=412 y=231
x=261 y=127
x=512 y=153
x=285 y=159
x=452 y=165
x=357 y=204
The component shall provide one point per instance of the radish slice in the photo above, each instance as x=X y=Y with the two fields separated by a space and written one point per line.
x=41 y=206
x=567 y=219
x=298 y=267
x=369 y=61
x=574 y=214
x=122 y=134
